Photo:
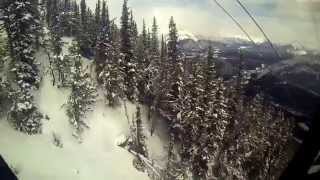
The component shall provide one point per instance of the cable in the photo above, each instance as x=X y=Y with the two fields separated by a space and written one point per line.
x=236 y=22
x=260 y=28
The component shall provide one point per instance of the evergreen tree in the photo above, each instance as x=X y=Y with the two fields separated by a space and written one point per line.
x=128 y=63
x=144 y=37
x=161 y=80
x=5 y=98
x=55 y=28
x=173 y=169
x=194 y=147
x=105 y=20
x=60 y=64
x=176 y=81
x=173 y=53
x=38 y=33
x=258 y=148
x=83 y=12
x=104 y=41
x=140 y=137
x=66 y=18
x=83 y=93
x=154 y=39
x=4 y=85
x=126 y=46
x=3 y=48
x=215 y=101
x=92 y=33
x=138 y=144
x=98 y=14
x=97 y=21
x=49 y=8
x=86 y=31
x=141 y=51
x=108 y=67
x=113 y=79
x=75 y=22
x=22 y=28
x=143 y=62
x=133 y=31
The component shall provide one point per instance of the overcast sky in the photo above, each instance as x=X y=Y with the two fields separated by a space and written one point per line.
x=285 y=21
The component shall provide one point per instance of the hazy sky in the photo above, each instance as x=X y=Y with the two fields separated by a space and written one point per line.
x=285 y=21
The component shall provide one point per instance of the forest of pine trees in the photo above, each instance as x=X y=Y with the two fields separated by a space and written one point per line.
x=215 y=130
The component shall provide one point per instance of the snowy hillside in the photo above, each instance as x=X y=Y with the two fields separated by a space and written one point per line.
x=88 y=95
x=97 y=157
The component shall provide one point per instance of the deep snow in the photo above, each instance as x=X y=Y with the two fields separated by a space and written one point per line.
x=98 y=157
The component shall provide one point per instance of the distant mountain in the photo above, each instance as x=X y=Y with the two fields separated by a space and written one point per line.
x=293 y=84
x=228 y=56
x=183 y=34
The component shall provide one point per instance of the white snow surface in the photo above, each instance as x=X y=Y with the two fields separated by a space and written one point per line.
x=97 y=158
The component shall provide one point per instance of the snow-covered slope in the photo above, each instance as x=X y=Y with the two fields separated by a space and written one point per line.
x=98 y=157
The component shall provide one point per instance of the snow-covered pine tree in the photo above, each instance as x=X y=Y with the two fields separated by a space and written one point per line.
x=98 y=17
x=152 y=72
x=113 y=82
x=218 y=120
x=4 y=85
x=161 y=80
x=224 y=155
x=144 y=37
x=176 y=82
x=83 y=93
x=83 y=12
x=38 y=33
x=173 y=169
x=215 y=104
x=140 y=137
x=138 y=141
x=259 y=148
x=48 y=13
x=148 y=38
x=127 y=50
x=108 y=69
x=66 y=17
x=133 y=31
x=194 y=134
x=143 y=60
x=83 y=36
x=153 y=67
x=55 y=28
x=4 y=96
x=60 y=64
x=104 y=41
x=104 y=14
x=3 y=48
x=91 y=32
x=154 y=46
x=75 y=18
x=22 y=28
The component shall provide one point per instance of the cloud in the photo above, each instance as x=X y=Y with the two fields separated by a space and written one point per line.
x=285 y=21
